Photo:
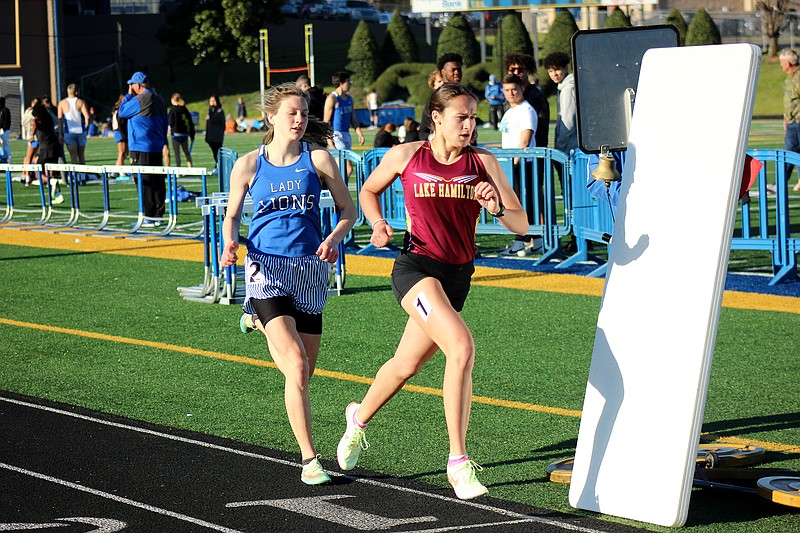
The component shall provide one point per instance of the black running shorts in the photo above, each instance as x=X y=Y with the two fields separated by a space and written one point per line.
x=409 y=269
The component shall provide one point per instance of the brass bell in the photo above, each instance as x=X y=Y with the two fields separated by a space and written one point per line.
x=606 y=171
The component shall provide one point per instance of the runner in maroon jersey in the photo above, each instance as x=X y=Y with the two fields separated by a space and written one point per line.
x=446 y=183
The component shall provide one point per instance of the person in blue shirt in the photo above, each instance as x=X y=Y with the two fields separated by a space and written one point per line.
x=286 y=267
x=146 y=113
x=494 y=94
x=340 y=114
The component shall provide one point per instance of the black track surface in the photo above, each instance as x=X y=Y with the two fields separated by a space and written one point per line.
x=67 y=469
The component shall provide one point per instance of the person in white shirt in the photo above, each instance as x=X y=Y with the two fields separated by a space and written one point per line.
x=518 y=129
x=73 y=116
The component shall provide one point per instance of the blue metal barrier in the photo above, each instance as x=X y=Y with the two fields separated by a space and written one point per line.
x=534 y=179
x=225 y=161
x=766 y=225
x=591 y=218
x=26 y=206
x=763 y=223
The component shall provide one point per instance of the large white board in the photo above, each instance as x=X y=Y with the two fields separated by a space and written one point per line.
x=658 y=319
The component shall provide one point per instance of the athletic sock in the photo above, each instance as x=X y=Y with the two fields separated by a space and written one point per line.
x=455 y=460
x=357 y=422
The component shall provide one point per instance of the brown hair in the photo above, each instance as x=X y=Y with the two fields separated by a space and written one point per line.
x=441 y=97
x=317 y=132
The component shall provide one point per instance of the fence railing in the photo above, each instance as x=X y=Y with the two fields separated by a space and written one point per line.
x=92 y=198
x=762 y=224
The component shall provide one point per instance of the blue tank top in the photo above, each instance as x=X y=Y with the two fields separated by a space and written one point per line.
x=342 y=112
x=286 y=213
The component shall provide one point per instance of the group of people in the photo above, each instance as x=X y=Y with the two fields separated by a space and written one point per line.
x=48 y=129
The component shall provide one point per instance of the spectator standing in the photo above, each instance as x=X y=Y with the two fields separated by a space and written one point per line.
x=5 y=132
x=181 y=126
x=47 y=147
x=316 y=97
x=241 y=110
x=449 y=68
x=384 y=137
x=523 y=65
x=372 y=105
x=146 y=112
x=119 y=126
x=518 y=127
x=29 y=134
x=74 y=120
x=432 y=274
x=287 y=256
x=494 y=94
x=791 y=107
x=566 y=134
x=53 y=110
x=215 y=126
x=340 y=115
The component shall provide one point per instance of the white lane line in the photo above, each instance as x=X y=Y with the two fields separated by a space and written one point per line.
x=563 y=525
x=119 y=499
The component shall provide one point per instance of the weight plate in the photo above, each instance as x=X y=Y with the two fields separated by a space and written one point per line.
x=722 y=455
x=560 y=471
x=780 y=489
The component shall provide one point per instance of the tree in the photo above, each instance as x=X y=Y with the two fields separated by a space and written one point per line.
x=244 y=19
x=617 y=19
x=773 y=15
x=399 y=45
x=207 y=39
x=702 y=30
x=363 y=58
x=676 y=19
x=513 y=38
x=559 y=38
x=458 y=37
x=226 y=30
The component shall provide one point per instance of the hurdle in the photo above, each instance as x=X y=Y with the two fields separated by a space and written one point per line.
x=225 y=285
x=24 y=216
x=74 y=177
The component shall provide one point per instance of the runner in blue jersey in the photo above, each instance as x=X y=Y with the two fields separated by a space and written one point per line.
x=339 y=113
x=286 y=266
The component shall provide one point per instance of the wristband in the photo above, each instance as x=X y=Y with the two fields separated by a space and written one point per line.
x=500 y=212
x=379 y=220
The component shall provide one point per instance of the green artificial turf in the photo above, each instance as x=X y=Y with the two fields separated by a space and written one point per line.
x=533 y=348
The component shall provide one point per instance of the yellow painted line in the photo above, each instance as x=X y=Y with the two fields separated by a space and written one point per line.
x=259 y=362
x=191 y=250
x=496 y=402
x=769 y=446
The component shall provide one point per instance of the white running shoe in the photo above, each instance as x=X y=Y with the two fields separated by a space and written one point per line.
x=353 y=441
x=314 y=474
x=464 y=481
x=514 y=249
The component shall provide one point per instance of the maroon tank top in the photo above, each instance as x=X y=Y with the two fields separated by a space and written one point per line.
x=441 y=208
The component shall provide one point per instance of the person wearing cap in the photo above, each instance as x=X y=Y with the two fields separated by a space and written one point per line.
x=147 y=141
x=494 y=94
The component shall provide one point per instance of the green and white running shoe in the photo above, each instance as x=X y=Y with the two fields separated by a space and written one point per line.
x=314 y=474
x=246 y=324
x=464 y=481
x=353 y=441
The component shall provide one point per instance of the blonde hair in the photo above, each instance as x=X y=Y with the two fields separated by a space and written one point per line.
x=317 y=132
x=435 y=76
